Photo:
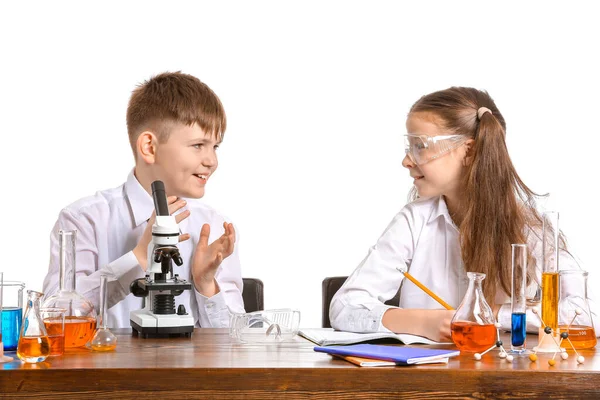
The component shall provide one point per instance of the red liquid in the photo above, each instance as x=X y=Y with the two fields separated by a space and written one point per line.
x=582 y=337
x=468 y=336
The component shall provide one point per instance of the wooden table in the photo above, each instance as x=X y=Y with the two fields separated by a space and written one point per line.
x=209 y=365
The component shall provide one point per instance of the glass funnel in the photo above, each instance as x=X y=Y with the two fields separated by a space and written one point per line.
x=473 y=326
x=80 y=316
x=103 y=339
x=574 y=314
x=33 y=342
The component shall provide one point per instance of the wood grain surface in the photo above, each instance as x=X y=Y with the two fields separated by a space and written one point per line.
x=211 y=365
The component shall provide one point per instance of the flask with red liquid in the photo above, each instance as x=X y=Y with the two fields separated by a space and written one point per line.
x=473 y=326
x=80 y=316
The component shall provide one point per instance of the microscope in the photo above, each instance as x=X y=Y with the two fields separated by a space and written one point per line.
x=159 y=318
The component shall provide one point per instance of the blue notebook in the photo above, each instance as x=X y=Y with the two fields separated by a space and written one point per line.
x=398 y=354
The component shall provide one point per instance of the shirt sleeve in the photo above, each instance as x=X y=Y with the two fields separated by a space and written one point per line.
x=359 y=304
x=214 y=312
x=121 y=272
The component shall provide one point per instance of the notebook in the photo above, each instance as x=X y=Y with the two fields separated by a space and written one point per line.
x=328 y=337
x=371 y=362
x=401 y=355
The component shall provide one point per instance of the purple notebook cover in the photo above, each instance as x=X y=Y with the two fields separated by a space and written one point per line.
x=398 y=354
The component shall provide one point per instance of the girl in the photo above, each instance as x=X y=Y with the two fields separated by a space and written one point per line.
x=468 y=206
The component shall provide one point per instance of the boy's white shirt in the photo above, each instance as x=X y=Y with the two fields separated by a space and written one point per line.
x=422 y=237
x=109 y=226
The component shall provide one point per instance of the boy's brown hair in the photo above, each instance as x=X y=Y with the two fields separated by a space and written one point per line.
x=173 y=97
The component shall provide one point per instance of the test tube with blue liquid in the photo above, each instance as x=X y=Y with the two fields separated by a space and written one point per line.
x=518 y=300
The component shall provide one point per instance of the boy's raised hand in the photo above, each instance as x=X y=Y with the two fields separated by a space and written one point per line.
x=141 y=250
x=207 y=258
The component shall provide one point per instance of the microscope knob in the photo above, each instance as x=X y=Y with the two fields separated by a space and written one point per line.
x=137 y=290
x=181 y=310
x=177 y=258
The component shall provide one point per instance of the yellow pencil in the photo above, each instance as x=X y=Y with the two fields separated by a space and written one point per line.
x=426 y=290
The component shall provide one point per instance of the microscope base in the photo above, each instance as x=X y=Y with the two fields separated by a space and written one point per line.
x=149 y=325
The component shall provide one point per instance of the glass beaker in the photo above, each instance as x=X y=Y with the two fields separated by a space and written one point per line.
x=473 y=328
x=54 y=321
x=80 y=316
x=33 y=342
x=103 y=339
x=574 y=314
x=12 y=313
x=3 y=358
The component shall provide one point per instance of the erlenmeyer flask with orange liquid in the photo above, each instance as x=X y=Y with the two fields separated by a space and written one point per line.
x=80 y=316
x=574 y=314
x=473 y=326
x=33 y=344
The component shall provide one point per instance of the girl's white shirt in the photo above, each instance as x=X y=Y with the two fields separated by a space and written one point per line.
x=422 y=237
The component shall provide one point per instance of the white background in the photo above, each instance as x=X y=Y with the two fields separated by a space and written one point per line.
x=316 y=95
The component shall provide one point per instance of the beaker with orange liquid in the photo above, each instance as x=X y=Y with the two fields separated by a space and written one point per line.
x=473 y=326
x=80 y=316
x=574 y=316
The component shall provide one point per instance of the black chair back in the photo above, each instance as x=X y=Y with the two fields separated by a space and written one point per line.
x=253 y=295
x=330 y=286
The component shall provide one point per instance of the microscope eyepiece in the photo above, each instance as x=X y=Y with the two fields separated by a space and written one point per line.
x=160 y=198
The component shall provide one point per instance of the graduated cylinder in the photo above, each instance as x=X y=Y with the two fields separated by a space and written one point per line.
x=518 y=299
x=550 y=278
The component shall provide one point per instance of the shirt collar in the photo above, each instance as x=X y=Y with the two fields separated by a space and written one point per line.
x=440 y=209
x=140 y=201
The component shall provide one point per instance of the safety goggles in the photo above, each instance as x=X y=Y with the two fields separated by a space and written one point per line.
x=422 y=148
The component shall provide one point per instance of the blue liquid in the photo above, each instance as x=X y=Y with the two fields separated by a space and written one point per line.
x=518 y=329
x=12 y=318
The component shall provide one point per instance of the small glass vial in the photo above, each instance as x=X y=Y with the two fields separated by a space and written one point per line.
x=80 y=316
x=518 y=300
x=473 y=328
x=33 y=345
x=574 y=310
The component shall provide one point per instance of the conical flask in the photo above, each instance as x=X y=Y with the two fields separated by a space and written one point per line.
x=473 y=326
x=33 y=342
x=103 y=339
x=80 y=316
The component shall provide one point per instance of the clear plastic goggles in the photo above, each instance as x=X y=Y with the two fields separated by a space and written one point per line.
x=422 y=148
x=268 y=326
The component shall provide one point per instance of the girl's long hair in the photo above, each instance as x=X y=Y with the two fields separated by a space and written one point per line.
x=498 y=208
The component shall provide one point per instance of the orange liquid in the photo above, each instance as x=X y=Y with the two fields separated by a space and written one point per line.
x=468 y=336
x=108 y=347
x=78 y=331
x=33 y=348
x=550 y=299
x=56 y=336
x=582 y=337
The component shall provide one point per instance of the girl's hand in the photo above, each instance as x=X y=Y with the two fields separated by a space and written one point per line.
x=433 y=324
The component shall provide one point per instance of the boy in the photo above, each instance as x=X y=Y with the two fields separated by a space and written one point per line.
x=175 y=124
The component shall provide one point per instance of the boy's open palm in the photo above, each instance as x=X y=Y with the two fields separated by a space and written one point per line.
x=207 y=258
